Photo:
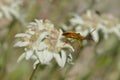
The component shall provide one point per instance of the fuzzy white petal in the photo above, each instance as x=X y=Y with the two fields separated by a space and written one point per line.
x=68 y=46
x=22 y=35
x=21 y=44
x=61 y=60
x=40 y=25
x=33 y=57
x=45 y=57
x=65 y=27
x=28 y=54
x=31 y=32
x=21 y=57
x=95 y=36
x=42 y=36
x=42 y=46
x=76 y=20
x=32 y=24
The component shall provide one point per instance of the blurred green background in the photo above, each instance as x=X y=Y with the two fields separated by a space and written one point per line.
x=88 y=64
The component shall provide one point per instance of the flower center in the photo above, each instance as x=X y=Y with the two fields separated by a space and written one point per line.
x=34 y=37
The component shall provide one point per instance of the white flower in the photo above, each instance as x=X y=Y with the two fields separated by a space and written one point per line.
x=10 y=8
x=89 y=21
x=76 y=20
x=42 y=43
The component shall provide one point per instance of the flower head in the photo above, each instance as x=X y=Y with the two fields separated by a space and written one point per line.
x=91 y=20
x=10 y=8
x=42 y=42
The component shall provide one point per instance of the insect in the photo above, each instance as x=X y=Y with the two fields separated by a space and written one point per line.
x=78 y=36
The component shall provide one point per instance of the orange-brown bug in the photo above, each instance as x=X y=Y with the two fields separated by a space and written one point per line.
x=78 y=36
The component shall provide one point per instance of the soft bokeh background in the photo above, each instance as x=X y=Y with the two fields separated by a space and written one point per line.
x=88 y=64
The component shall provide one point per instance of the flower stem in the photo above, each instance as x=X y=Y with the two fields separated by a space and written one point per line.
x=33 y=73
